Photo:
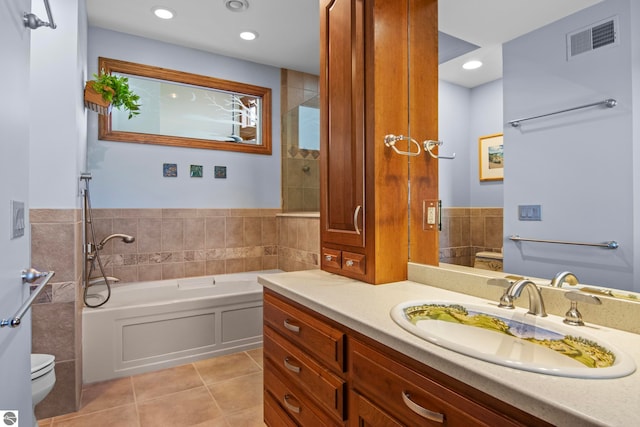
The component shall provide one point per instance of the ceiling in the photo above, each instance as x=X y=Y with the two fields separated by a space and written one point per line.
x=288 y=29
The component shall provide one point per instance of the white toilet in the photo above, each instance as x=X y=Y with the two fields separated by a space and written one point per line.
x=43 y=378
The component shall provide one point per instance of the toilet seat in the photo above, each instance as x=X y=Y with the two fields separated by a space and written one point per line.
x=41 y=364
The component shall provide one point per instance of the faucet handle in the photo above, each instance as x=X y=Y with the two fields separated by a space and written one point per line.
x=573 y=316
x=505 y=300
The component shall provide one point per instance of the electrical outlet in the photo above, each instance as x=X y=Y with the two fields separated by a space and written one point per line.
x=17 y=219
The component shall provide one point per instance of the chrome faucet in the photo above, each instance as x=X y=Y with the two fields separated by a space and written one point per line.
x=536 y=304
x=564 y=277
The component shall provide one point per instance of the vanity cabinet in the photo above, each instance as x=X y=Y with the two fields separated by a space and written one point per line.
x=304 y=366
x=378 y=76
x=319 y=372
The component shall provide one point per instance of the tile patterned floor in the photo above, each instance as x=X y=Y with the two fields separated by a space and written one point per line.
x=224 y=391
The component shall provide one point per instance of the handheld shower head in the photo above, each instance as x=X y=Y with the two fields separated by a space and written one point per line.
x=125 y=238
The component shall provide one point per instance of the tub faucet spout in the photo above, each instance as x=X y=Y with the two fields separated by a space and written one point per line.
x=536 y=304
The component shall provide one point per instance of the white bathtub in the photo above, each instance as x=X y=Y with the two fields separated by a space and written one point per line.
x=155 y=325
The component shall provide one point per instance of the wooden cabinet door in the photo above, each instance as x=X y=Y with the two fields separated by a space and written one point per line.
x=342 y=122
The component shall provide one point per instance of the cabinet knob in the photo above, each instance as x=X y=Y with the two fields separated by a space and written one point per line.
x=328 y=257
x=349 y=263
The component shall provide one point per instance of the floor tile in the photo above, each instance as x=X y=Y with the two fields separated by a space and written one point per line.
x=123 y=416
x=182 y=409
x=238 y=394
x=155 y=384
x=222 y=368
x=106 y=395
x=256 y=354
x=252 y=417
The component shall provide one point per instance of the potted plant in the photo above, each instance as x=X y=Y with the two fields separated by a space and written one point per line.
x=107 y=91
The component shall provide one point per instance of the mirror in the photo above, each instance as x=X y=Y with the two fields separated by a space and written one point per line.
x=553 y=162
x=190 y=110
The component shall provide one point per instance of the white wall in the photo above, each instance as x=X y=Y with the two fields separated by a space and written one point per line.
x=579 y=166
x=129 y=175
x=58 y=118
x=464 y=115
x=15 y=344
x=486 y=119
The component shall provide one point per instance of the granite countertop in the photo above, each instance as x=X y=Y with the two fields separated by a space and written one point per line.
x=558 y=400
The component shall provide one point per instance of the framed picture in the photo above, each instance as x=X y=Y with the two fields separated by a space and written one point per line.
x=491 y=157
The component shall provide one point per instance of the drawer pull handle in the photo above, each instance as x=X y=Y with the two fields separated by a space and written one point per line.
x=355 y=218
x=423 y=412
x=289 y=366
x=292 y=328
x=349 y=263
x=289 y=406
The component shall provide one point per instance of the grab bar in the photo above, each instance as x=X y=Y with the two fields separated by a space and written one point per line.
x=610 y=103
x=608 y=245
x=30 y=276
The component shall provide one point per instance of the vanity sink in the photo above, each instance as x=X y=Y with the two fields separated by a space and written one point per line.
x=513 y=338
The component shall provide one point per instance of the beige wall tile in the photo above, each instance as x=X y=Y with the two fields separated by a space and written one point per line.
x=215 y=232
x=173 y=270
x=269 y=231
x=235 y=265
x=253 y=231
x=172 y=234
x=234 y=232
x=193 y=269
x=194 y=233
x=149 y=272
x=215 y=266
x=52 y=248
x=149 y=236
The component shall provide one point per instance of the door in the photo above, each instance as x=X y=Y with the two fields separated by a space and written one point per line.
x=15 y=343
x=342 y=122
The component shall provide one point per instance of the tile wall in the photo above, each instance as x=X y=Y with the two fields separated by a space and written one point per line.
x=300 y=167
x=299 y=241
x=174 y=243
x=56 y=317
x=467 y=231
x=170 y=243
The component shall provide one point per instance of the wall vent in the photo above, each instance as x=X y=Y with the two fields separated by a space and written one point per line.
x=595 y=36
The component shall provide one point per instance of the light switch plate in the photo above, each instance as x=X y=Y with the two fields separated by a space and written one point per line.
x=17 y=219
x=529 y=213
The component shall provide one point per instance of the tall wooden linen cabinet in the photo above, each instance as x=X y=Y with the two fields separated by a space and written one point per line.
x=378 y=76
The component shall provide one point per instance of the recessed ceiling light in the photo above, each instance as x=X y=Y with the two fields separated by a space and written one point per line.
x=248 y=35
x=472 y=65
x=163 y=12
x=236 y=5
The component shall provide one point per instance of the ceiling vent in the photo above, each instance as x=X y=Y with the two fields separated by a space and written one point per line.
x=595 y=36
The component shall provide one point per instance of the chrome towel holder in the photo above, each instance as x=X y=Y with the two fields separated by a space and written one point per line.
x=28 y=276
x=607 y=245
x=31 y=21
x=609 y=103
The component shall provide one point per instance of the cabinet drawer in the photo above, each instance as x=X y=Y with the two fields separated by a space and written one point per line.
x=331 y=258
x=319 y=339
x=411 y=397
x=366 y=414
x=293 y=400
x=327 y=388
x=274 y=415
x=354 y=263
